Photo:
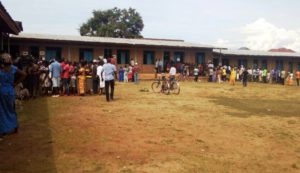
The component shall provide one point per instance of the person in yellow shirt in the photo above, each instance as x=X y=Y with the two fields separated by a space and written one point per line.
x=224 y=74
x=232 y=76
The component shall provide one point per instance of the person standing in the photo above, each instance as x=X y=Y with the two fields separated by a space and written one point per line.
x=245 y=77
x=82 y=79
x=66 y=78
x=95 y=77
x=8 y=115
x=264 y=75
x=108 y=73
x=125 y=74
x=232 y=76
x=297 y=75
x=121 y=74
x=282 y=75
x=136 y=73
x=55 y=71
x=156 y=68
x=101 y=81
x=196 y=74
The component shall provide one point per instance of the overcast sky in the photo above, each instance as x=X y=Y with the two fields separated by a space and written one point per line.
x=257 y=24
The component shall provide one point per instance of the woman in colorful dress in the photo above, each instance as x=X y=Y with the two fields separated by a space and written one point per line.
x=81 y=80
x=8 y=115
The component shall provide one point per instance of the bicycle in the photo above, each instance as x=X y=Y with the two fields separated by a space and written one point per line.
x=161 y=85
x=166 y=86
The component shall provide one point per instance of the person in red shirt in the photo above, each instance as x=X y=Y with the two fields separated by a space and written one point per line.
x=297 y=75
x=66 y=78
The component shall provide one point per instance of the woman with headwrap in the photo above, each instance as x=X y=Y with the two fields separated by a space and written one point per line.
x=8 y=115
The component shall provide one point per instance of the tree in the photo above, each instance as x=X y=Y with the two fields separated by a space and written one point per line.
x=120 y=23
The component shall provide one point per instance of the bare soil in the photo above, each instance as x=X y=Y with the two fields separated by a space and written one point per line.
x=207 y=128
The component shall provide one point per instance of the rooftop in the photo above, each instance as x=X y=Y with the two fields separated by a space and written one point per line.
x=109 y=40
x=256 y=53
x=8 y=25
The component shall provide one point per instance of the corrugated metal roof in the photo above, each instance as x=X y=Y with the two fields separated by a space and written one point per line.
x=256 y=53
x=109 y=40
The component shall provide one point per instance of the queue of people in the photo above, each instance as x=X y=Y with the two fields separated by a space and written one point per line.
x=59 y=77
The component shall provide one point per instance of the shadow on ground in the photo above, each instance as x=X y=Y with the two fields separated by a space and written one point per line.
x=31 y=149
x=253 y=107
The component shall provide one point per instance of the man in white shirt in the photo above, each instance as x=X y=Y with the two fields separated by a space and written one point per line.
x=172 y=72
x=108 y=73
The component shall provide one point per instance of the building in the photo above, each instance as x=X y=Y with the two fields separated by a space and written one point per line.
x=143 y=51
x=290 y=61
x=7 y=26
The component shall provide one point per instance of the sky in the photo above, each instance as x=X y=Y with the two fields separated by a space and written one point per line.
x=256 y=24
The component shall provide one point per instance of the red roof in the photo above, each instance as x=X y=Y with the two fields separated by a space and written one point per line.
x=282 y=50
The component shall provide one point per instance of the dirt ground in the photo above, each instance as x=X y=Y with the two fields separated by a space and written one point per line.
x=207 y=128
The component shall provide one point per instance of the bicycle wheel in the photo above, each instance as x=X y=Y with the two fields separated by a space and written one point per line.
x=176 y=88
x=156 y=86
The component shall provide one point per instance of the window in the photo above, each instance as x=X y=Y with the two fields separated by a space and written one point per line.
x=107 y=53
x=178 y=57
x=53 y=52
x=255 y=63
x=279 y=64
x=216 y=62
x=243 y=62
x=86 y=55
x=123 y=56
x=290 y=67
x=34 y=51
x=200 y=58
x=264 y=64
x=298 y=65
x=149 y=57
x=225 y=61
x=166 y=57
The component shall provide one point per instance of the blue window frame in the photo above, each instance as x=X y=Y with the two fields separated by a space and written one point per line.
x=53 y=52
x=123 y=56
x=225 y=61
x=255 y=64
x=86 y=55
x=264 y=64
x=178 y=57
x=290 y=67
x=200 y=58
x=279 y=64
x=107 y=53
x=149 y=57
x=242 y=62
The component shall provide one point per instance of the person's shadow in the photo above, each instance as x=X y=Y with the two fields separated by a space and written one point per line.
x=31 y=149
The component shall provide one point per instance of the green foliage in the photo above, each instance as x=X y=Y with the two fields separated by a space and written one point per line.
x=120 y=23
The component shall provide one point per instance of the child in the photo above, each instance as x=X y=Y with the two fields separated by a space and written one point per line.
x=130 y=73
x=121 y=74
x=125 y=74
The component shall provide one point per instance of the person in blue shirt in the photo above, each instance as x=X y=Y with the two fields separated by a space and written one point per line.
x=121 y=74
x=55 y=71
x=108 y=73
x=8 y=115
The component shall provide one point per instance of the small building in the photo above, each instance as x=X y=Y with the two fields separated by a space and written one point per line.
x=7 y=26
x=290 y=61
x=143 y=51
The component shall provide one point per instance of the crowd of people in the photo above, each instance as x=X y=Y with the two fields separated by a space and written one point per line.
x=60 y=77
x=230 y=74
